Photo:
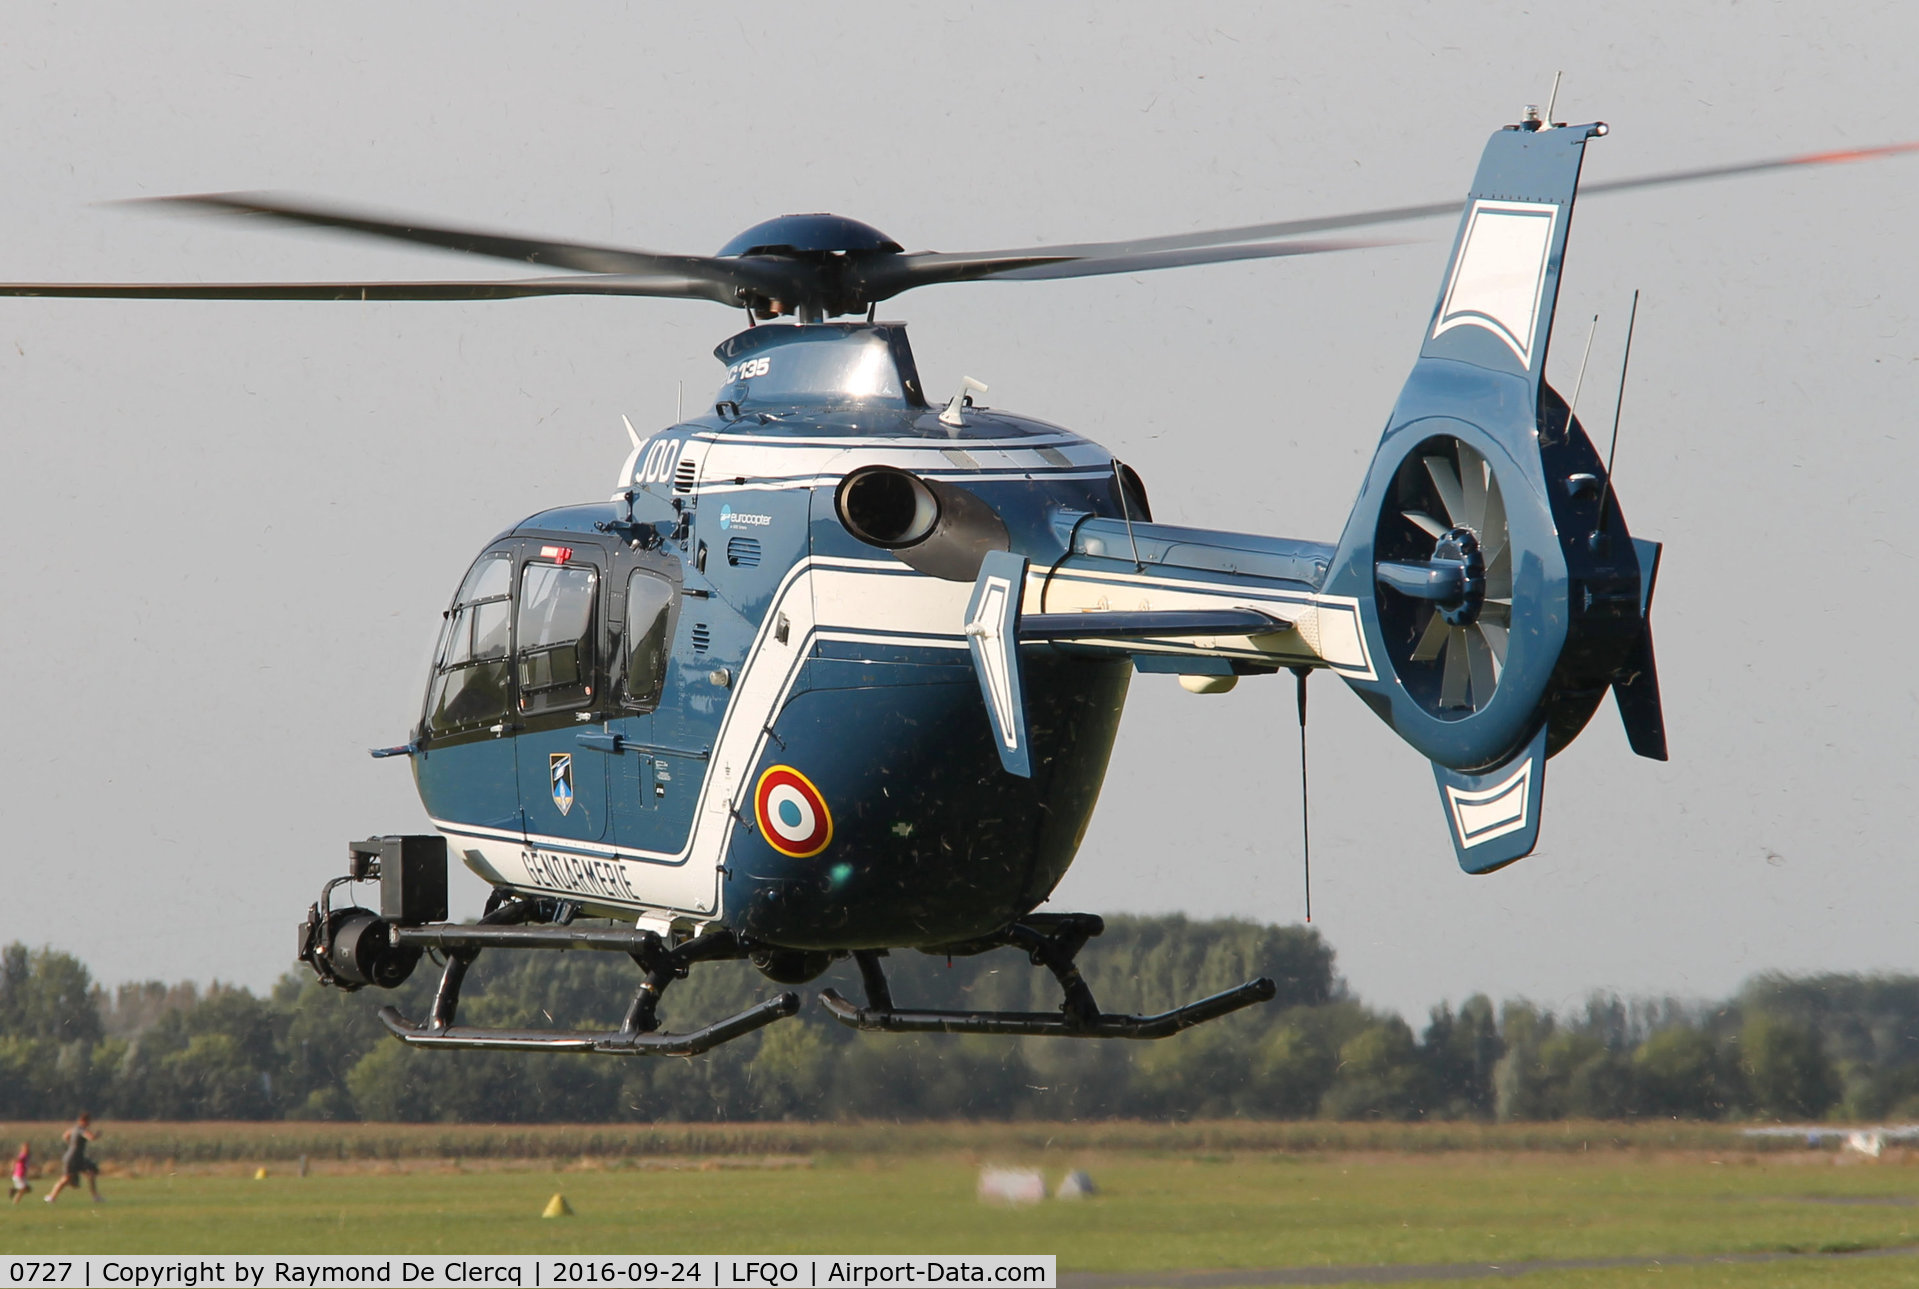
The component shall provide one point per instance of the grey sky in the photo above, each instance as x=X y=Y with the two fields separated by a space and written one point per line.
x=230 y=527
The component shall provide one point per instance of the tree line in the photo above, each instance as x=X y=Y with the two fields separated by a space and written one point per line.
x=1783 y=1048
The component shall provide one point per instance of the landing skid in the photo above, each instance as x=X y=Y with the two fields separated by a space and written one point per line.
x=352 y=948
x=639 y=1034
x=1052 y=942
x=613 y=1043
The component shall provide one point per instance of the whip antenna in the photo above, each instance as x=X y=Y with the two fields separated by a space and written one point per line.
x=1625 y=363
x=1126 y=513
x=1580 y=380
x=1305 y=822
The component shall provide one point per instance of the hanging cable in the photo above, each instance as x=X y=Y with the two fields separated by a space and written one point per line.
x=1305 y=823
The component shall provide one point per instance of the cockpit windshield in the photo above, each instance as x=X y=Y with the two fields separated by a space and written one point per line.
x=823 y=364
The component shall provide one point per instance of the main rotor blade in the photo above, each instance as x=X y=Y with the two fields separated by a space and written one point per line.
x=1096 y=265
x=507 y=289
x=1429 y=210
x=884 y=277
x=1838 y=156
x=582 y=256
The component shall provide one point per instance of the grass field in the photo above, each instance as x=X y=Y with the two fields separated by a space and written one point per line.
x=1158 y=1210
x=136 y=1143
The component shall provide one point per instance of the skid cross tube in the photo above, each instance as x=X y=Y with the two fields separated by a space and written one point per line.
x=1053 y=943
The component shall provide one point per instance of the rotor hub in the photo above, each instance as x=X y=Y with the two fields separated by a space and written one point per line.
x=1461 y=546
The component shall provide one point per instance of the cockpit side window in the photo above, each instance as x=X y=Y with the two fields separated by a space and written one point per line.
x=469 y=671
x=555 y=635
x=649 y=602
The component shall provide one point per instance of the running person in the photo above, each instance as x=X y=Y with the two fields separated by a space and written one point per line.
x=74 y=1164
x=20 y=1163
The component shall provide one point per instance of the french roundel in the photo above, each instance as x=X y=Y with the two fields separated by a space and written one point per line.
x=792 y=813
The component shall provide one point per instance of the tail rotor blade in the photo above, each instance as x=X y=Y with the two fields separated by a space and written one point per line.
x=1472 y=486
x=1432 y=639
x=1493 y=535
x=1479 y=656
x=1499 y=573
x=1440 y=471
x=1455 y=685
x=1495 y=637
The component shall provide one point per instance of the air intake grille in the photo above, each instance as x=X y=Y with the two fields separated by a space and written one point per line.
x=684 y=476
x=702 y=637
x=743 y=552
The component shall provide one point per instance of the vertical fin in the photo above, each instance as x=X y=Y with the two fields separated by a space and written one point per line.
x=1636 y=689
x=992 y=634
x=1496 y=305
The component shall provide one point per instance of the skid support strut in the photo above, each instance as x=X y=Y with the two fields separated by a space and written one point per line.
x=639 y=1032
x=1053 y=943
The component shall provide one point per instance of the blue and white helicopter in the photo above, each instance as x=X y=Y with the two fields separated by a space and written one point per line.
x=837 y=670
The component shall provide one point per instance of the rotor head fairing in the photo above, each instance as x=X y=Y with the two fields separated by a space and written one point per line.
x=818 y=234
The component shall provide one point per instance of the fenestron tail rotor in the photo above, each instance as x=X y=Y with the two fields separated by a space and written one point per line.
x=1446 y=560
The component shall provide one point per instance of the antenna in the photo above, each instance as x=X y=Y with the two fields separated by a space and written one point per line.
x=1625 y=362
x=1305 y=823
x=1580 y=380
x=679 y=394
x=1126 y=513
x=1554 y=99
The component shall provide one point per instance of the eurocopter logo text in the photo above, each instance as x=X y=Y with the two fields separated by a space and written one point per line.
x=731 y=518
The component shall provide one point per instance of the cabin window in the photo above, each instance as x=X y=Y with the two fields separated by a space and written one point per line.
x=649 y=600
x=556 y=646
x=469 y=681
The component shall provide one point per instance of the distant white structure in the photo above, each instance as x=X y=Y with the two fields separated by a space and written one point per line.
x=1076 y=1185
x=1871 y=1141
x=1011 y=1186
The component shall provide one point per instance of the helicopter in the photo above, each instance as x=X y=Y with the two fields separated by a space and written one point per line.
x=836 y=670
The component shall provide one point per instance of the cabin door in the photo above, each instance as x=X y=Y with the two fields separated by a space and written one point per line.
x=558 y=654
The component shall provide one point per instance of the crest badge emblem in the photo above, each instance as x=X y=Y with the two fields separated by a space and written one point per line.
x=560 y=764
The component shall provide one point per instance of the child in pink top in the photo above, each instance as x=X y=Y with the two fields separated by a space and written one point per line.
x=20 y=1161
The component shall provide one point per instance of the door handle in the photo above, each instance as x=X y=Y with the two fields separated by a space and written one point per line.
x=607 y=741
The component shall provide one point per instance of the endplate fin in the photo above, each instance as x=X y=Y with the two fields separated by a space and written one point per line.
x=992 y=636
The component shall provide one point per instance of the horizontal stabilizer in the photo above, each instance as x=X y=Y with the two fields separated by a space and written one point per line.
x=1494 y=817
x=1150 y=624
x=995 y=629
